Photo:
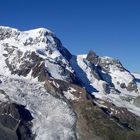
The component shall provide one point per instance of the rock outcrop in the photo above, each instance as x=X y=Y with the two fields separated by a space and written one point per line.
x=15 y=122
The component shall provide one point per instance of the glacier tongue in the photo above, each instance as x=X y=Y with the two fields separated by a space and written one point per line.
x=53 y=117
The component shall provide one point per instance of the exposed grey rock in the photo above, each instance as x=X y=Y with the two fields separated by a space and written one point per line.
x=122 y=85
x=132 y=87
x=122 y=116
x=15 y=122
x=92 y=57
x=106 y=88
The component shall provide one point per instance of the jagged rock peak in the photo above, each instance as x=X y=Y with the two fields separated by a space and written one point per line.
x=104 y=61
x=92 y=57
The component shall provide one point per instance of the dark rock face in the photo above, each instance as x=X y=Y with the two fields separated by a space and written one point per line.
x=96 y=71
x=92 y=57
x=106 y=88
x=122 y=85
x=15 y=122
x=132 y=87
x=122 y=116
x=94 y=60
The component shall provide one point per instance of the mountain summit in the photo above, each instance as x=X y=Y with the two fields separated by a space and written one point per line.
x=46 y=93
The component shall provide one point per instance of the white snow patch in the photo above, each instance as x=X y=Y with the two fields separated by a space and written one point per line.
x=68 y=94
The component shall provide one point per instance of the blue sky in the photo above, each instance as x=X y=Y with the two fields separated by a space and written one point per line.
x=110 y=27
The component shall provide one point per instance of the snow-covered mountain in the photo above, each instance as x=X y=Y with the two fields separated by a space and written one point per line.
x=24 y=52
x=56 y=89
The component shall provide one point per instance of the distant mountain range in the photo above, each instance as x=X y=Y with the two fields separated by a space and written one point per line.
x=46 y=93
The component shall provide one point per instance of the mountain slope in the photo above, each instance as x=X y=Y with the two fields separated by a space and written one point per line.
x=66 y=96
x=24 y=52
x=107 y=79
